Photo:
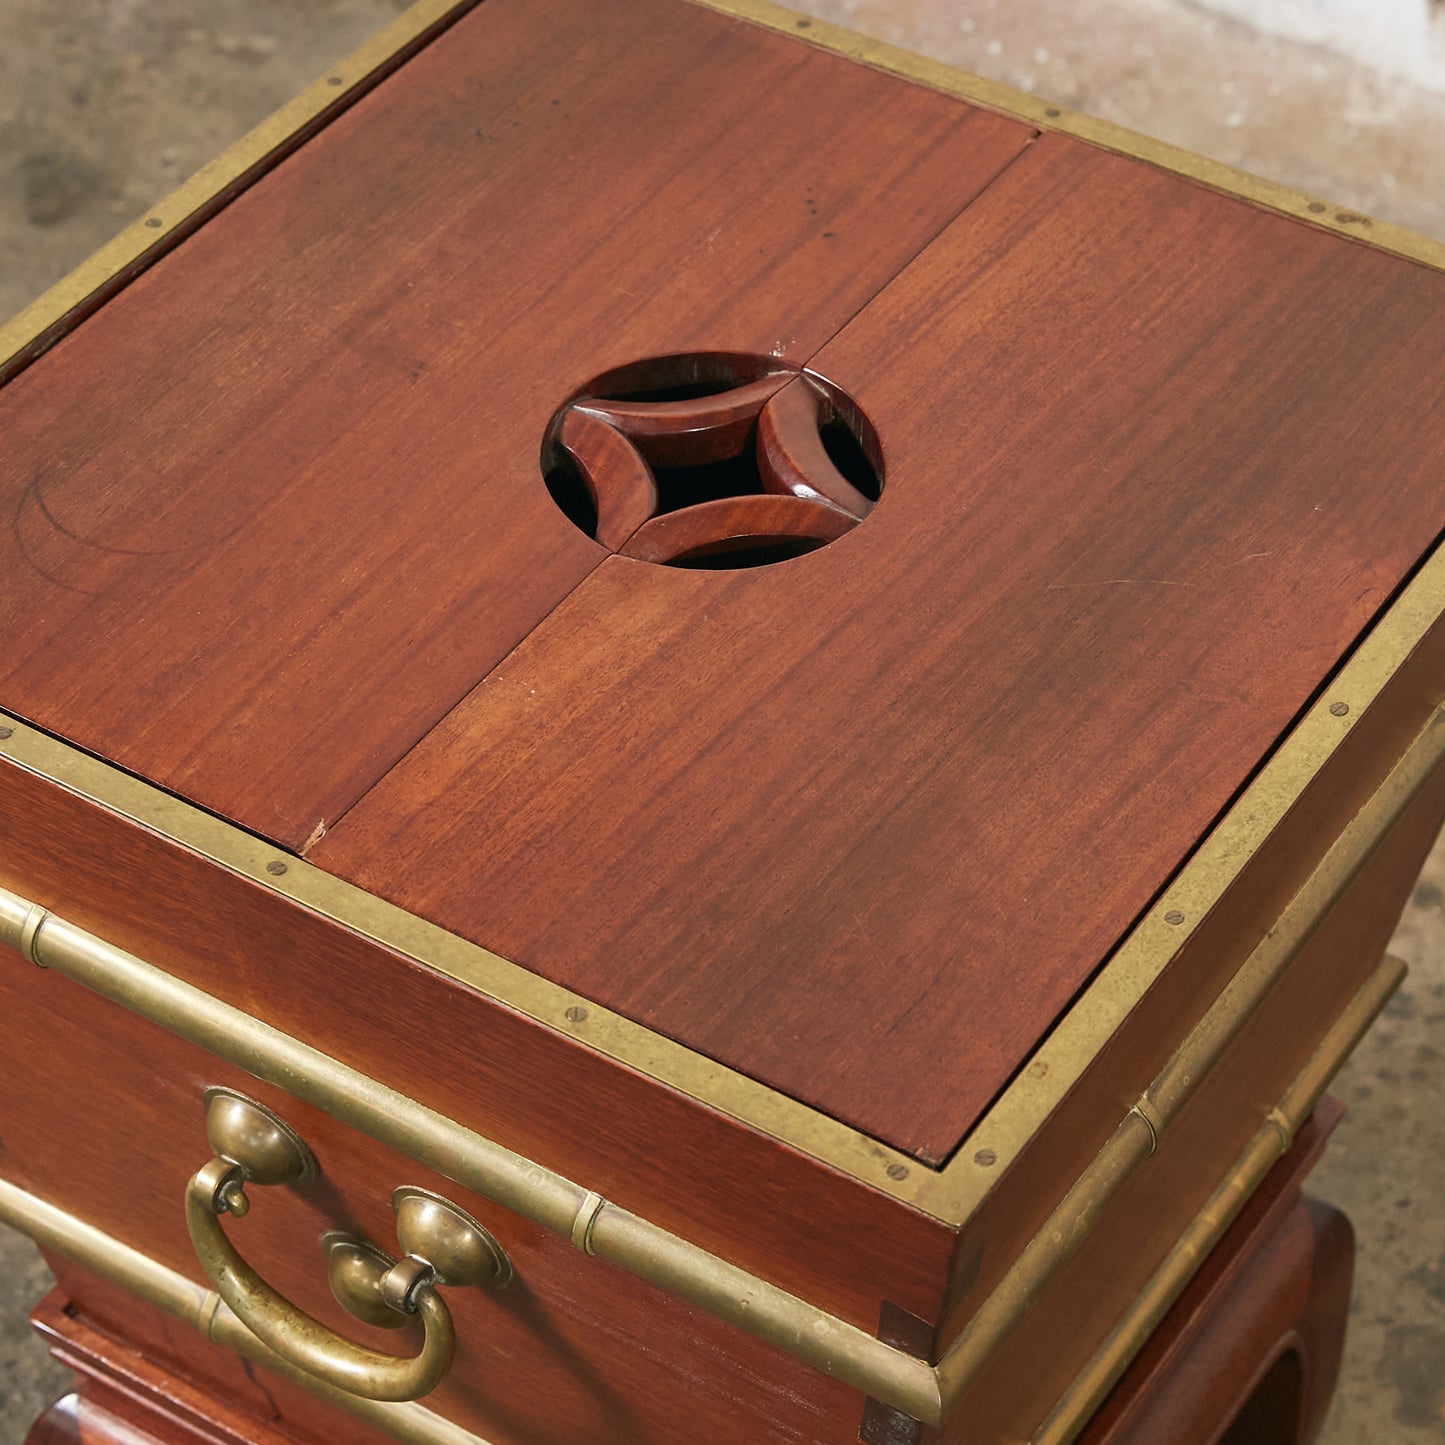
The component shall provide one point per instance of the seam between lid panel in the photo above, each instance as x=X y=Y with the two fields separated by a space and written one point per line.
x=460 y=699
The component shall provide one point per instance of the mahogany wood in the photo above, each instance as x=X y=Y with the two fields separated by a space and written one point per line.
x=861 y=824
x=1320 y=980
x=646 y=1147
x=139 y=1370
x=1255 y=1343
x=575 y=1349
x=276 y=507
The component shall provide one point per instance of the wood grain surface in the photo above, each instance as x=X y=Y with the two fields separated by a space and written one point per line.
x=573 y=1350
x=862 y=823
x=524 y=1083
x=277 y=506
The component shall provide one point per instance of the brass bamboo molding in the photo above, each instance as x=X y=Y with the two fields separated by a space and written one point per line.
x=173 y=1294
x=952 y=1194
x=809 y=1334
x=1274 y=1137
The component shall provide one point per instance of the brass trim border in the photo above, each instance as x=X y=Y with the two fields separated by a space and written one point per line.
x=175 y=1295
x=1045 y=115
x=42 y=323
x=954 y=1193
x=802 y=1330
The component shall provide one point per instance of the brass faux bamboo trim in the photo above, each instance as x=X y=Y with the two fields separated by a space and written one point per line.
x=953 y=1194
x=1046 y=115
x=173 y=1294
x=486 y=1168
x=1256 y=1159
x=672 y=1264
x=931 y=1393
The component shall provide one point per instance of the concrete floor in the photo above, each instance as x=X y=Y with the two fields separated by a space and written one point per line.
x=107 y=104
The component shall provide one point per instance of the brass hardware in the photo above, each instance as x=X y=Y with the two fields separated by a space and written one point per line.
x=1044 y=115
x=453 y=1246
x=1088 y=1389
x=951 y=1195
x=202 y=1309
x=243 y=1133
x=682 y=1269
x=355 y=1269
x=587 y=1212
x=205 y=1311
x=29 y=931
x=442 y=1246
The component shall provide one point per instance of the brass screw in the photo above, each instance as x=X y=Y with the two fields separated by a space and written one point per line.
x=1317 y=206
x=154 y=222
x=276 y=868
x=898 y=1171
x=985 y=1158
x=7 y=733
x=333 y=80
x=1339 y=709
x=576 y=1015
x=1174 y=916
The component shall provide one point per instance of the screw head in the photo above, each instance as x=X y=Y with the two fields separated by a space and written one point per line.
x=1174 y=916
x=575 y=1014
x=985 y=1158
x=7 y=733
x=898 y=1171
x=1339 y=709
x=276 y=869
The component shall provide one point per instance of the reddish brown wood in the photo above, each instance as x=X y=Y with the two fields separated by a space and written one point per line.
x=692 y=431
x=646 y=1147
x=619 y=481
x=1255 y=1342
x=1036 y=1365
x=717 y=528
x=791 y=454
x=1321 y=979
x=276 y=507
x=861 y=824
x=145 y=1377
x=576 y=1350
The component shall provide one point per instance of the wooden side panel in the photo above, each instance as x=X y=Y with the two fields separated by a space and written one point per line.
x=575 y=1349
x=277 y=506
x=1072 y=1314
x=860 y=824
x=644 y=1146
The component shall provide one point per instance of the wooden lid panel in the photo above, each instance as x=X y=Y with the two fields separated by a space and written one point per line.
x=276 y=507
x=861 y=823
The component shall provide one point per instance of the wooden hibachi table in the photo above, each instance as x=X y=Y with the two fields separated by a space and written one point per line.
x=707 y=736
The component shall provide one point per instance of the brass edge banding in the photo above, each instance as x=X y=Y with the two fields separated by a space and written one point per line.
x=950 y=1195
x=1089 y=1388
x=43 y=322
x=173 y=1294
x=1045 y=115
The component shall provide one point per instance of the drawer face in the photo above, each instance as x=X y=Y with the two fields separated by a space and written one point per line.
x=108 y=1124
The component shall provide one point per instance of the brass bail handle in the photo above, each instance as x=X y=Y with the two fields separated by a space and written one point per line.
x=440 y=1244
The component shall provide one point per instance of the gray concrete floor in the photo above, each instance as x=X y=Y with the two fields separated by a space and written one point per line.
x=107 y=104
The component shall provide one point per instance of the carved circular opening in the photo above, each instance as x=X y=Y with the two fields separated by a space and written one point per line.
x=712 y=460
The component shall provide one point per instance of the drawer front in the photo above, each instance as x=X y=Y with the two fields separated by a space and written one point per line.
x=109 y=1126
